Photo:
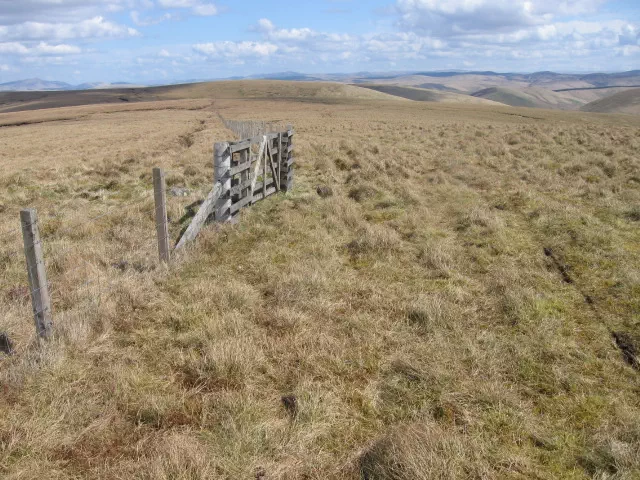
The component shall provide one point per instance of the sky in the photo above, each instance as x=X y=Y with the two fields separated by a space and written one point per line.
x=162 y=41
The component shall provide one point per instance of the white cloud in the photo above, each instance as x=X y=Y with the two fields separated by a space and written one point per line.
x=306 y=40
x=458 y=17
x=197 y=7
x=19 y=11
x=205 y=10
x=178 y=3
x=304 y=43
x=608 y=33
x=62 y=49
x=428 y=35
x=267 y=27
x=416 y=48
x=146 y=21
x=15 y=48
x=629 y=51
x=96 y=27
x=238 y=51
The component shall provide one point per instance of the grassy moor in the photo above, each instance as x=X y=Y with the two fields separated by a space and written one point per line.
x=450 y=291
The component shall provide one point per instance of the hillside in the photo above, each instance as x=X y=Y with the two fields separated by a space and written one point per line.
x=461 y=303
x=256 y=89
x=588 y=95
x=271 y=89
x=627 y=101
x=529 y=97
x=469 y=82
x=452 y=80
x=427 y=95
x=461 y=83
x=537 y=90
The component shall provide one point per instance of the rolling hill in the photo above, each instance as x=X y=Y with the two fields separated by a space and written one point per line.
x=591 y=94
x=469 y=82
x=627 y=101
x=529 y=97
x=255 y=89
x=428 y=95
x=549 y=90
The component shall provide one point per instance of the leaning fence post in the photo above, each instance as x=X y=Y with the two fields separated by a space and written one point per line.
x=37 y=274
x=162 y=225
x=222 y=174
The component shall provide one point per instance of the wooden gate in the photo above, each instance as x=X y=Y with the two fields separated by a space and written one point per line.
x=251 y=170
x=245 y=172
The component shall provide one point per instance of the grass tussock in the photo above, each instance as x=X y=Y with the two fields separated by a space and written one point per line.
x=423 y=450
x=463 y=305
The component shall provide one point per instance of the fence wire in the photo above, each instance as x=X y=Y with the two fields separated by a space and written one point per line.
x=245 y=129
x=81 y=277
x=82 y=272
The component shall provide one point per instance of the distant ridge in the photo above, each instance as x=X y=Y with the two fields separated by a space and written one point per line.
x=39 y=85
x=451 y=80
x=34 y=84
x=544 y=89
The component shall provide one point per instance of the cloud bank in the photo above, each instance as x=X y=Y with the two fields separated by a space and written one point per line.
x=514 y=35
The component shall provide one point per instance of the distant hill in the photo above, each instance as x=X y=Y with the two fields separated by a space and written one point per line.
x=622 y=79
x=313 y=92
x=288 y=76
x=34 y=84
x=38 y=85
x=529 y=97
x=470 y=82
x=551 y=90
x=103 y=86
x=627 y=101
x=459 y=81
x=427 y=95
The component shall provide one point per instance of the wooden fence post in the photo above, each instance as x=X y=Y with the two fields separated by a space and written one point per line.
x=162 y=225
x=37 y=274
x=222 y=174
x=286 y=165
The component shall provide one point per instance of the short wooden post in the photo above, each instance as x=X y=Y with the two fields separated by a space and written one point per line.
x=280 y=153
x=245 y=156
x=286 y=161
x=162 y=225
x=264 y=167
x=290 y=160
x=222 y=174
x=37 y=274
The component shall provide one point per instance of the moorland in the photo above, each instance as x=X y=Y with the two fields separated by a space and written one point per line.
x=462 y=302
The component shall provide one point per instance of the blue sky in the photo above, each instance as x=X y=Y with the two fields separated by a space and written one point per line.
x=155 y=41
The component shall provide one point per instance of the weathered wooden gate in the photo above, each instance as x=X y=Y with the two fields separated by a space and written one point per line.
x=245 y=172
x=252 y=169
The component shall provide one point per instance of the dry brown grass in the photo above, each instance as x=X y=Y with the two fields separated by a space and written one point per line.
x=413 y=315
